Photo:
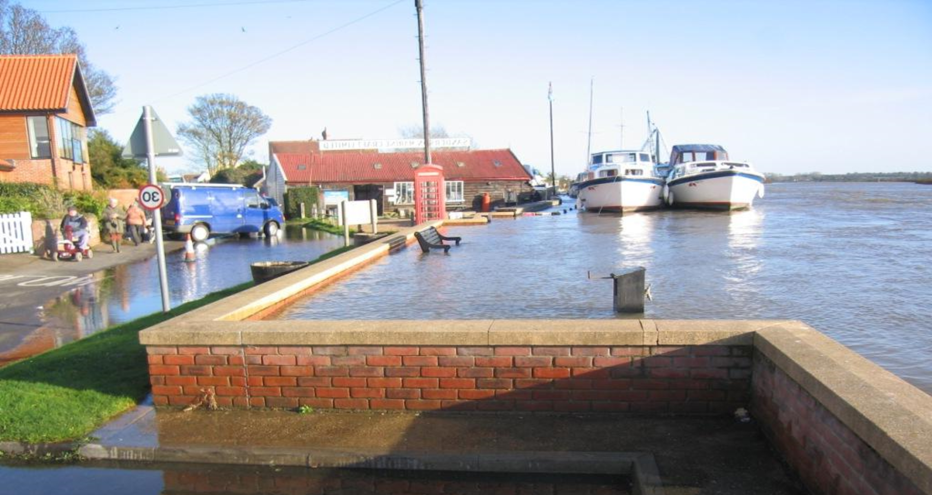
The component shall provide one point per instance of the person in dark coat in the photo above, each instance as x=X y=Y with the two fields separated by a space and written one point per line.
x=78 y=225
x=113 y=218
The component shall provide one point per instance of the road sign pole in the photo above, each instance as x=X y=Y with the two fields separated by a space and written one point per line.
x=156 y=214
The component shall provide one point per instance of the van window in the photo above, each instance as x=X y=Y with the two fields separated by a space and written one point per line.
x=252 y=200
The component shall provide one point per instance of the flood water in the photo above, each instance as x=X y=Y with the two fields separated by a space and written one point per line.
x=126 y=292
x=850 y=259
x=143 y=479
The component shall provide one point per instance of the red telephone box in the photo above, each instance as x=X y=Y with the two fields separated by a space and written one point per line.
x=429 y=194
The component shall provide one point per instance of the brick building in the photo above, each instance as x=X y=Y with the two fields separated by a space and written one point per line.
x=384 y=170
x=45 y=111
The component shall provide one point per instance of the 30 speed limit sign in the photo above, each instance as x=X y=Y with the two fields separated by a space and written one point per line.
x=151 y=197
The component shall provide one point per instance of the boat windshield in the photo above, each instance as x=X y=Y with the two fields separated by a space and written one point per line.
x=621 y=158
x=698 y=156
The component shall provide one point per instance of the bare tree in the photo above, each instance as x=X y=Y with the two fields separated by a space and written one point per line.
x=24 y=32
x=221 y=128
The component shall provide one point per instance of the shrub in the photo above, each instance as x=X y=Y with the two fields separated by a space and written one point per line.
x=48 y=202
x=297 y=195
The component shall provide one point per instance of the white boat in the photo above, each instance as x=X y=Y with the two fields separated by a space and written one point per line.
x=702 y=176
x=620 y=181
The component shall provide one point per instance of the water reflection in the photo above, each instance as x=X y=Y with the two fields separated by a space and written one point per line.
x=126 y=292
x=150 y=479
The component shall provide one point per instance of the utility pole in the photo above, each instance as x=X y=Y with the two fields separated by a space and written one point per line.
x=420 y=45
x=553 y=170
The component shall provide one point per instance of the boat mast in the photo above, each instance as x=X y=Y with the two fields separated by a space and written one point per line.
x=650 y=132
x=621 y=129
x=589 y=142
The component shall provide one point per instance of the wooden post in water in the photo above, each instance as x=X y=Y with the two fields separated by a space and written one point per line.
x=629 y=290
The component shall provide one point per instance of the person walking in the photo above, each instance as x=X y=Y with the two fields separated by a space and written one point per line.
x=135 y=222
x=113 y=224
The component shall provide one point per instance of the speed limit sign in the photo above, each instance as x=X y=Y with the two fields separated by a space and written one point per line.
x=151 y=197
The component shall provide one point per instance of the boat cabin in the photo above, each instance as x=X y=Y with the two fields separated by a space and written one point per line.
x=625 y=163
x=689 y=159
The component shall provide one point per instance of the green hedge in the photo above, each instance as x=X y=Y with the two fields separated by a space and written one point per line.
x=297 y=195
x=45 y=201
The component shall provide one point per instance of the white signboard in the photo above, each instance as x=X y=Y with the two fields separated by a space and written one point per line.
x=357 y=212
x=392 y=144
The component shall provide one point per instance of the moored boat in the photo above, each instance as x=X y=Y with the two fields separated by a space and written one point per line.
x=702 y=176
x=620 y=181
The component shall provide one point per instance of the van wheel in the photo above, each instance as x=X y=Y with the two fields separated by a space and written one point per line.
x=200 y=233
x=271 y=229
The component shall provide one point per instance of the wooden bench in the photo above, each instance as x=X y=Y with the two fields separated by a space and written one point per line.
x=430 y=238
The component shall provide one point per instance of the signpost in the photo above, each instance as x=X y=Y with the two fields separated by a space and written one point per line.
x=151 y=138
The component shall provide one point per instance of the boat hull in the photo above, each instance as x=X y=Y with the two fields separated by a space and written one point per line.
x=719 y=190
x=620 y=194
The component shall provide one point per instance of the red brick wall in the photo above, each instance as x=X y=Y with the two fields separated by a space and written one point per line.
x=826 y=454
x=41 y=172
x=689 y=380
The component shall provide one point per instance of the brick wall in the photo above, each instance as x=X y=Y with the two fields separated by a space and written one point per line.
x=640 y=379
x=826 y=454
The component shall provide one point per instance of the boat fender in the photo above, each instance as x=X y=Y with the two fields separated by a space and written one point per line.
x=760 y=191
x=670 y=198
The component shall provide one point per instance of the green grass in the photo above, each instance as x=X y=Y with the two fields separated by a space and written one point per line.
x=67 y=393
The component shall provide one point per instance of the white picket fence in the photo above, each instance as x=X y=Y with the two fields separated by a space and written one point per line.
x=16 y=233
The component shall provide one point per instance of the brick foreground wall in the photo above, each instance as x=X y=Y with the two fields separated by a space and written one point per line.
x=826 y=454
x=690 y=380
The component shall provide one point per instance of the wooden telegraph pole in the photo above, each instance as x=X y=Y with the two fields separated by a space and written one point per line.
x=420 y=44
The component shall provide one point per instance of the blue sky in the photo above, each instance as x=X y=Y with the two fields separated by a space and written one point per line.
x=829 y=86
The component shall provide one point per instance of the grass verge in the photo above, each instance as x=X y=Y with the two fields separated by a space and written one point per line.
x=67 y=393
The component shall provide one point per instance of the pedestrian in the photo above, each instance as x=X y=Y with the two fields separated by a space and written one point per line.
x=135 y=222
x=113 y=224
x=78 y=226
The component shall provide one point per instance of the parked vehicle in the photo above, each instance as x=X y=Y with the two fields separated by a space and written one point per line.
x=205 y=209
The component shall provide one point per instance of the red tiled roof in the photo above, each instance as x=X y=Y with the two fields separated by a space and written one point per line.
x=41 y=83
x=357 y=167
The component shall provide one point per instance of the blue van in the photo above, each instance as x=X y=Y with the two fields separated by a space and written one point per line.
x=205 y=209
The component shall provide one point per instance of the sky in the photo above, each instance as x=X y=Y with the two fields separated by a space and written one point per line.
x=791 y=86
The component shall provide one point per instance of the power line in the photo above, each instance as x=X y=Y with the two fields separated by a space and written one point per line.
x=169 y=7
x=282 y=52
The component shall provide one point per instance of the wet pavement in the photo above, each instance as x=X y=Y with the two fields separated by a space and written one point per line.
x=692 y=455
x=45 y=304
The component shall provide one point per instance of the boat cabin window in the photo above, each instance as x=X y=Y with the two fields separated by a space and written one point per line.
x=621 y=158
x=645 y=157
x=596 y=159
x=697 y=156
x=744 y=165
x=634 y=171
x=608 y=173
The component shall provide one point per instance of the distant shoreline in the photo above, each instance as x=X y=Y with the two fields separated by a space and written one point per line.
x=914 y=177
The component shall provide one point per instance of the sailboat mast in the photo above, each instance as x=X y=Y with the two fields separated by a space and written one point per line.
x=621 y=131
x=589 y=142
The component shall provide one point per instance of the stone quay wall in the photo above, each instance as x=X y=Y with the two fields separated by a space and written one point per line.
x=844 y=424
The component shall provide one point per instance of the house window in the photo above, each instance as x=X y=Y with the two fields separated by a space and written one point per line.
x=404 y=193
x=455 y=191
x=70 y=141
x=39 y=144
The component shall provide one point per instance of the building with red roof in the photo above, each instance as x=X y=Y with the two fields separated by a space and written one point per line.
x=45 y=111
x=384 y=170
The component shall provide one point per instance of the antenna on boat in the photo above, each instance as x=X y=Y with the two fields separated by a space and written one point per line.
x=589 y=142
x=621 y=129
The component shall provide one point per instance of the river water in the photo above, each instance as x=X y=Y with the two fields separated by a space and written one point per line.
x=850 y=259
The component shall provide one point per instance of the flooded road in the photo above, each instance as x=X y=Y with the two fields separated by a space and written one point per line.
x=850 y=259
x=143 y=479
x=89 y=303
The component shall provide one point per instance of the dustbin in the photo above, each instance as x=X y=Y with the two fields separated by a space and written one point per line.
x=267 y=270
